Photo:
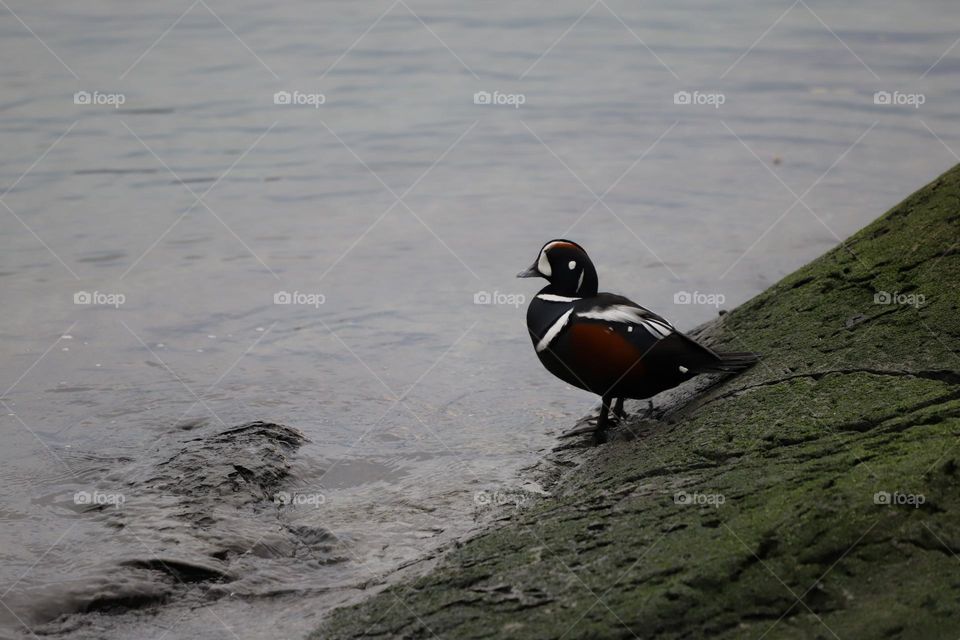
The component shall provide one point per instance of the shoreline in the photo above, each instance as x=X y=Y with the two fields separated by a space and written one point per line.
x=816 y=491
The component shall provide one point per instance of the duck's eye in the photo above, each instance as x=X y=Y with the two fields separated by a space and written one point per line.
x=572 y=265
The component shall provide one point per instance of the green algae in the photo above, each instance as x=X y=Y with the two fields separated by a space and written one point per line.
x=815 y=496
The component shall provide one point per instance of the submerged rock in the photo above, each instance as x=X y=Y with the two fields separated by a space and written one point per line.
x=817 y=495
x=207 y=521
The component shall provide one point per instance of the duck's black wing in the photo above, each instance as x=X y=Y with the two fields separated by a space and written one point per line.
x=660 y=342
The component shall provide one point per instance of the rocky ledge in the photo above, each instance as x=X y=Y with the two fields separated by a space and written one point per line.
x=815 y=496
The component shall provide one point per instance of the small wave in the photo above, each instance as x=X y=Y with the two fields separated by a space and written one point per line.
x=199 y=523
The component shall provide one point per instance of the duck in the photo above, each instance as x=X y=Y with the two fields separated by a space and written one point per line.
x=607 y=344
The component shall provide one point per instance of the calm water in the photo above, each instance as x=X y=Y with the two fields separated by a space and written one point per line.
x=393 y=203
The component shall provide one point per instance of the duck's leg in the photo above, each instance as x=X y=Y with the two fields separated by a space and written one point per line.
x=618 y=409
x=649 y=412
x=600 y=435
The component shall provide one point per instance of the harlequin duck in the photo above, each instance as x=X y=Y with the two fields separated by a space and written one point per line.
x=605 y=343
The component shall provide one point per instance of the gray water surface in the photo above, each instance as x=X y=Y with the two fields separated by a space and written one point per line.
x=394 y=203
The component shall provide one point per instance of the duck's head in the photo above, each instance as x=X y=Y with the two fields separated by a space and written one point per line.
x=567 y=268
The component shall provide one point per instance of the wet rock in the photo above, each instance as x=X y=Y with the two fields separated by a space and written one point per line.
x=206 y=521
x=814 y=496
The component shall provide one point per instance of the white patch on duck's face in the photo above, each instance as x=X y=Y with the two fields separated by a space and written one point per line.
x=572 y=265
x=543 y=263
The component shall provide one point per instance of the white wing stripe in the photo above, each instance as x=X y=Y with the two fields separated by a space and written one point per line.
x=629 y=315
x=553 y=331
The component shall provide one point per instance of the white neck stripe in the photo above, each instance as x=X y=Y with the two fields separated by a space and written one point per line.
x=549 y=297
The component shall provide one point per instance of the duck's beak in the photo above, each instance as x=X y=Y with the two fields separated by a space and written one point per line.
x=532 y=272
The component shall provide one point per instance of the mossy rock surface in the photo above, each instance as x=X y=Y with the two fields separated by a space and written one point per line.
x=750 y=510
